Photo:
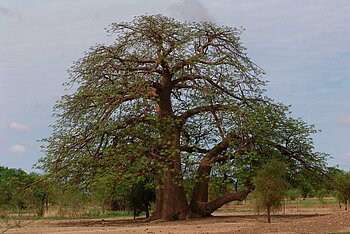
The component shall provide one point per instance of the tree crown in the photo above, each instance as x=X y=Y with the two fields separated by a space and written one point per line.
x=164 y=81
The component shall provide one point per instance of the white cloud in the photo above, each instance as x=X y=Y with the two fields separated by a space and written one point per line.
x=190 y=10
x=345 y=121
x=18 y=127
x=18 y=149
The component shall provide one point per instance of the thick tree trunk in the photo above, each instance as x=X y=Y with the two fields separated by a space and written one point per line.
x=171 y=201
x=200 y=191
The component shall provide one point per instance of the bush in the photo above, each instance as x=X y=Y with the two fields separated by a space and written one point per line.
x=270 y=186
x=342 y=187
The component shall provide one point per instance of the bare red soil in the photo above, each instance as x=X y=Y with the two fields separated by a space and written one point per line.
x=312 y=220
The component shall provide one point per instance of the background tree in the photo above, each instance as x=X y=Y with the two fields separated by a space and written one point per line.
x=20 y=191
x=177 y=101
x=321 y=194
x=293 y=194
x=270 y=186
x=12 y=185
x=40 y=193
x=140 y=195
x=342 y=187
x=108 y=193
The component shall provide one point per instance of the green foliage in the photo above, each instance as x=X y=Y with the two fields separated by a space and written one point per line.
x=109 y=193
x=140 y=196
x=219 y=186
x=342 y=187
x=293 y=194
x=270 y=185
x=12 y=183
x=321 y=194
x=222 y=181
x=20 y=190
x=40 y=193
x=304 y=183
x=112 y=194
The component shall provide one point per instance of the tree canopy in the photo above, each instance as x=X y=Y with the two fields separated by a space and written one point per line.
x=177 y=101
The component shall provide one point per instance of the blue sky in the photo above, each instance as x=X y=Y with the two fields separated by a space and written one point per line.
x=303 y=46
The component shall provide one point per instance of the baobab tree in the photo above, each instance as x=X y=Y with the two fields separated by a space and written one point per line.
x=173 y=100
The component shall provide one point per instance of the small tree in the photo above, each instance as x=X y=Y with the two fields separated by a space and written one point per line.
x=270 y=186
x=321 y=194
x=140 y=196
x=294 y=195
x=108 y=193
x=342 y=187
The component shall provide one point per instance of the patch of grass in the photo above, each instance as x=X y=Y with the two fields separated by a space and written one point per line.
x=18 y=217
x=109 y=215
x=93 y=216
x=309 y=203
x=339 y=233
x=234 y=210
x=316 y=202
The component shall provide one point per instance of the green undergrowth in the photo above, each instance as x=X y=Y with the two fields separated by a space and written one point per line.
x=339 y=233
x=316 y=202
x=91 y=216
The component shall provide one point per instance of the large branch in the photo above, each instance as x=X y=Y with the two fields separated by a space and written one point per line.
x=218 y=124
x=192 y=149
x=200 y=191
x=186 y=78
x=206 y=208
x=211 y=108
x=210 y=157
x=223 y=89
x=137 y=60
x=210 y=81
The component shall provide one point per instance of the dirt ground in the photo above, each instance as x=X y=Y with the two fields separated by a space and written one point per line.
x=320 y=220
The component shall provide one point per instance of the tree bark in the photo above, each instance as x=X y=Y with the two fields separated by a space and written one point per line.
x=171 y=201
x=147 y=210
x=200 y=191
x=346 y=205
x=269 y=214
